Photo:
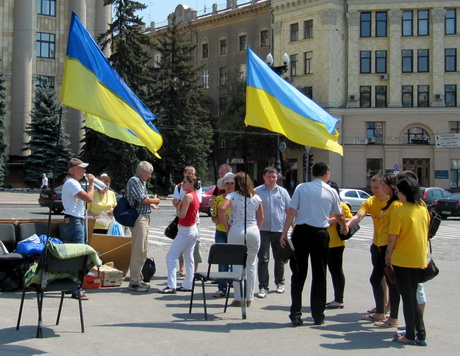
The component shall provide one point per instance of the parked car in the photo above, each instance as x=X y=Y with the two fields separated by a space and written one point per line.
x=207 y=194
x=431 y=194
x=49 y=197
x=353 y=198
x=448 y=206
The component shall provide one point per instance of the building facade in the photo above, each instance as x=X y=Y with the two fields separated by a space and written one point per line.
x=33 y=37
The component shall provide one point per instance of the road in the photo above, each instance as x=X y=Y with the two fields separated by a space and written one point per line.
x=446 y=243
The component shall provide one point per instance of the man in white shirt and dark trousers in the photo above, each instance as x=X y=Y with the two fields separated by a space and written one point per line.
x=275 y=201
x=310 y=207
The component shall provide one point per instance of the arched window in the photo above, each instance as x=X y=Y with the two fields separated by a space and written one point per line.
x=417 y=135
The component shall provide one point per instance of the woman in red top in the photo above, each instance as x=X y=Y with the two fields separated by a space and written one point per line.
x=186 y=238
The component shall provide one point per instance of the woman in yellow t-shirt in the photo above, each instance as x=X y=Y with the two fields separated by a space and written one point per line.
x=103 y=201
x=407 y=252
x=335 y=260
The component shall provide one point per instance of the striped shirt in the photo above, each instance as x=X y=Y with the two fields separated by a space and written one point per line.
x=136 y=191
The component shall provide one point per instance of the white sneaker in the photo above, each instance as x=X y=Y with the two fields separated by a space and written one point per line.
x=262 y=293
x=280 y=288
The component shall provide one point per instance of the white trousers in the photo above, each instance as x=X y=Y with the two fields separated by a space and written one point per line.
x=184 y=242
x=236 y=236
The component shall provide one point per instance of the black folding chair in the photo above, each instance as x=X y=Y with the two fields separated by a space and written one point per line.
x=12 y=264
x=65 y=268
x=28 y=229
x=223 y=254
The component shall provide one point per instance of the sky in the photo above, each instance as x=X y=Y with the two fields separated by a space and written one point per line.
x=158 y=10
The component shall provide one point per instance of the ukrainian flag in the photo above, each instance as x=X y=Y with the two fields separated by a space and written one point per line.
x=274 y=104
x=90 y=84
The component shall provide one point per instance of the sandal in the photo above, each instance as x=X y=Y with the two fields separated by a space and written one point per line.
x=386 y=324
x=334 y=305
x=371 y=317
x=372 y=311
x=82 y=296
x=404 y=340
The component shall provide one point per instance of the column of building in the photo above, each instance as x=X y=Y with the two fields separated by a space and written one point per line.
x=437 y=65
x=394 y=59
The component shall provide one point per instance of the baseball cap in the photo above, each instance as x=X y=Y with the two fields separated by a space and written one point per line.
x=74 y=162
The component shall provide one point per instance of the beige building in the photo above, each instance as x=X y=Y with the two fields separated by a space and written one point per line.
x=390 y=71
x=33 y=37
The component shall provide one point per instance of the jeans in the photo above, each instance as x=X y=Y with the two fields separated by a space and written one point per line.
x=221 y=237
x=267 y=239
x=74 y=230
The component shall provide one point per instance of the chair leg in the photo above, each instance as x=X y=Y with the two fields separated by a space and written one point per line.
x=40 y=296
x=243 y=299
x=204 y=300
x=60 y=308
x=226 y=296
x=191 y=297
x=20 y=308
x=81 y=312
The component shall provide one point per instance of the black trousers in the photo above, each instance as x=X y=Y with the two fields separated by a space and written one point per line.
x=309 y=242
x=335 y=264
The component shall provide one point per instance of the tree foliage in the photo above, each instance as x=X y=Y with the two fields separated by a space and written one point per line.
x=180 y=104
x=129 y=58
x=42 y=131
x=3 y=146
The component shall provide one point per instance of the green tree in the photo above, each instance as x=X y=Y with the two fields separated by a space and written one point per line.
x=180 y=104
x=3 y=146
x=129 y=58
x=42 y=131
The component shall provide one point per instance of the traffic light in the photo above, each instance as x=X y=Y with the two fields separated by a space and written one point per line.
x=310 y=160
x=305 y=159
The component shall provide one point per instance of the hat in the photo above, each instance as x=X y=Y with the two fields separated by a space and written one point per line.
x=228 y=178
x=74 y=162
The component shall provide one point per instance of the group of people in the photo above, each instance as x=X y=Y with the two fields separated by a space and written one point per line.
x=261 y=218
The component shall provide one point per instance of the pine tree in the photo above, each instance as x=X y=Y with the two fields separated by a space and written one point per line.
x=42 y=131
x=180 y=105
x=129 y=58
x=3 y=171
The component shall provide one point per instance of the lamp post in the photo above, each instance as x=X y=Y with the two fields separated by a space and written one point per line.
x=280 y=70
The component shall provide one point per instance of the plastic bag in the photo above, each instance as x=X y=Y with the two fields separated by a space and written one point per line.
x=104 y=219
x=115 y=229
x=34 y=245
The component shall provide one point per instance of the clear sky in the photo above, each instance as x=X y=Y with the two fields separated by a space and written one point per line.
x=158 y=10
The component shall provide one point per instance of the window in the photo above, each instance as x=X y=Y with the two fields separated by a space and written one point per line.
x=365 y=62
x=157 y=60
x=307 y=56
x=423 y=60
x=373 y=166
x=407 y=23
x=293 y=65
x=243 y=71
x=407 y=96
x=365 y=97
x=374 y=131
x=242 y=43
x=407 y=61
x=264 y=38
x=44 y=81
x=308 y=29
x=222 y=76
x=294 y=32
x=451 y=22
x=308 y=91
x=223 y=47
x=450 y=94
x=381 y=96
x=381 y=24
x=45 y=45
x=417 y=135
x=46 y=7
x=365 y=24
x=222 y=106
x=455 y=173
x=423 y=22
x=422 y=95
x=450 y=59
x=380 y=61
x=205 y=50
x=205 y=78
x=223 y=143
x=454 y=127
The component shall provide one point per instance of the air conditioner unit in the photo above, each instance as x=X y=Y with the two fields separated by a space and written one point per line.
x=384 y=76
x=371 y=140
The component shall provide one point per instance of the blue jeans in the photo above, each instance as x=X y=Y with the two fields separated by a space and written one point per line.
x=221 y=237
x=74 y=230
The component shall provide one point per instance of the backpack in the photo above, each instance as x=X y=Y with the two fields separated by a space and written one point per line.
x=124 y=213
x=149 y=269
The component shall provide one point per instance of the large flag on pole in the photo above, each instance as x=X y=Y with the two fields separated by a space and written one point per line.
x=90 y=84
x=274 y=104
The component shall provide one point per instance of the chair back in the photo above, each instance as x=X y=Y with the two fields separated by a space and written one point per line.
x=8 y=236
x=228 y=254
x=28 y=229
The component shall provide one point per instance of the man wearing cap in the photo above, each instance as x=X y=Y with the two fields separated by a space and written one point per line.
x=275 y=200
x=73 y=200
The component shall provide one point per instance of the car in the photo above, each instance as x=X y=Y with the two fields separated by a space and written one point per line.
x=52 y=197
x=353 y=198
x=431 y=194
x=206 y=195
x=448 y=206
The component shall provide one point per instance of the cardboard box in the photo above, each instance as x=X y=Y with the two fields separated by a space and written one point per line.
x=111 y=277
x=113 y=248
x=92 y=281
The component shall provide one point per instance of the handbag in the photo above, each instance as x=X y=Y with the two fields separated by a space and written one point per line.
x=171 y=229
x=390 y=273
x=285 y=253
x=435 y=221
x=430 y=271
x=351 y=232
x=124 y=213
x=149 y=269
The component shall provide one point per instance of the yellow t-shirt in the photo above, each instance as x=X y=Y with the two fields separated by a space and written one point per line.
x=382 y=233
x=102 y=202
x=410 y=223
x=373 y=206
x=334 y=238
x=215 y=211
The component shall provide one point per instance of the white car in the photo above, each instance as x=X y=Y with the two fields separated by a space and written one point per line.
x=353 y=198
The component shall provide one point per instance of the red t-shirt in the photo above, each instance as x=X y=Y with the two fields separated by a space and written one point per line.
x=190 y=216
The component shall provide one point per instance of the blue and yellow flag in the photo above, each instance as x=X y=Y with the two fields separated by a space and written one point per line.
x=90 y=84
x=274 y=104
